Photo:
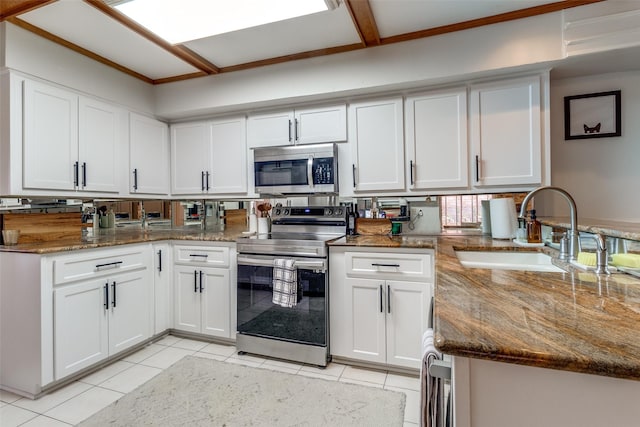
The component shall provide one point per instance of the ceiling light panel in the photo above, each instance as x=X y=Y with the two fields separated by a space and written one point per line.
x=307 y=33
x=186 y=20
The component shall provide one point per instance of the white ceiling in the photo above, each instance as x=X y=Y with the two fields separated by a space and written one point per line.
x=87 y=26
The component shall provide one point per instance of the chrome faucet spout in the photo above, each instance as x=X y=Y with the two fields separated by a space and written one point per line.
x=573 y=235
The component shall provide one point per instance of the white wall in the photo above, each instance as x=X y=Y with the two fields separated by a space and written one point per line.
x=602 y=174
x=450 y=57
x=37 y=56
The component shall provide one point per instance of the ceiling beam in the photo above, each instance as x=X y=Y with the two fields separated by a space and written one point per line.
x=11 y=8
x=179 y=51
x=364 y=21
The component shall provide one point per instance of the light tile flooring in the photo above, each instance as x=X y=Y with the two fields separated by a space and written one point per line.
x=79 y=400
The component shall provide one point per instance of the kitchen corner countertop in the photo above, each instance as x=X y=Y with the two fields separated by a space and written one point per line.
x=574 y=321
x=115 y=237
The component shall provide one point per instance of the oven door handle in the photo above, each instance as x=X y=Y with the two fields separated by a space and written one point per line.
x=319 y=265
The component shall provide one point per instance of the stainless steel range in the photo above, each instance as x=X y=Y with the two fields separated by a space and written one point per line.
x=299 y=235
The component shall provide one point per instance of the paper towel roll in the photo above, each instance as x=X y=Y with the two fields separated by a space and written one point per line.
x=263 y=225
x=504 y=220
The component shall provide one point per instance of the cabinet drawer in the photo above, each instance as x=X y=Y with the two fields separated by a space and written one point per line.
x=207 y=256
x=401 y=266
x=98 y=263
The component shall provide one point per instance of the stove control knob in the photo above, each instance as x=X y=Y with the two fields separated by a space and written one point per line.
x=277 y=212
x=339 y=212
x=286 y=211
x=329 y=211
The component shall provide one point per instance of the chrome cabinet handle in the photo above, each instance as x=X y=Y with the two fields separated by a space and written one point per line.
x=202 y=180
x=106 y=296
x=84 y=174
x=381 y=308
x=388 y=298
x=160 y=260
x=113 y=303
x=295 y=130
x=207 y=181
x=135 y=179
x=411 y=171
x=353 y=173
x=477 y=168
x=195 y=281
x=289 y=130
x=200 y=281
x=75 y=174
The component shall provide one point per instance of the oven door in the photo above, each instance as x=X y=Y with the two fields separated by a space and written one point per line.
x=305 y=323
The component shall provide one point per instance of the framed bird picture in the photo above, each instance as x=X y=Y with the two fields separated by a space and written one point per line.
x=592 y=115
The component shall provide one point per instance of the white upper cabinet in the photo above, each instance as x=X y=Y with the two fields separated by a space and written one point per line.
x=376 y=138
x=300 y=126
x=228 y=156
x=149 y=155
x=506 y=134
x=190 y=153
x=315 y=125
x=436 y=140
x=50 y=137
x=70 y=142
x=209 y=157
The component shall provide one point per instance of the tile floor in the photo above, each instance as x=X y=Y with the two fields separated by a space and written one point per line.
x=79 y=400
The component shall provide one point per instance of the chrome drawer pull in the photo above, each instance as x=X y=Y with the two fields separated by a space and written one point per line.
x=375 y=264
x=199 y=255
x=109 y=264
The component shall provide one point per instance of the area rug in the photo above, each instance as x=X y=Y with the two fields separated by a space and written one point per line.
x=201 y=392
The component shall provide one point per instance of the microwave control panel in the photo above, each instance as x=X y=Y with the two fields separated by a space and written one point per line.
x=323 y=172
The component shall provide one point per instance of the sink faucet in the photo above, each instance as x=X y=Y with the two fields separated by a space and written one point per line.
x=573 y=235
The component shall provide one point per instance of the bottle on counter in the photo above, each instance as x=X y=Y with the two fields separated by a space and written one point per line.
x=534 y=228
x=521 y=232
x=351 y=220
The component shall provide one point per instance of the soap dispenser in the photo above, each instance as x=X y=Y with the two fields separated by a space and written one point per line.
x=534 y=228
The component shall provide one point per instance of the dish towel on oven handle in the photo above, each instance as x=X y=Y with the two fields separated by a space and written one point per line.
x=285 y=282
x=431 y=388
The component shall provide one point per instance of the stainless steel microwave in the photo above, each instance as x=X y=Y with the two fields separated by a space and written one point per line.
x=296 y=169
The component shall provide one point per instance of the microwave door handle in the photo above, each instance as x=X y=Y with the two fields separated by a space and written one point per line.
x=310 y=171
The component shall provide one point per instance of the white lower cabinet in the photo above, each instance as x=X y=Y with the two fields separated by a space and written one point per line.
x=100 y=317
x=163 y=291
x=379 y=304
x=203 y=295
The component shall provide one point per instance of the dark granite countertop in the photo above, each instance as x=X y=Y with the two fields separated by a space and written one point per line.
x=115 y=237
x=575 y=321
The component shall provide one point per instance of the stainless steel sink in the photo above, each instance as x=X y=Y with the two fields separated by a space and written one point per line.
x=507 y=260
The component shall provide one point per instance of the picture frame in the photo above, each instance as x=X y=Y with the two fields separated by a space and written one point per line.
x=592 y=115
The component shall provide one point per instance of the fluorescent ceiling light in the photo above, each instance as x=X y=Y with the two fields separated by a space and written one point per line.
x=184 y=20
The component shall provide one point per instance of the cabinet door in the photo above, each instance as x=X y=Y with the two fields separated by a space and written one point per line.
x=80 y=327
x=216 y=302
x=50 y=137
x=130 y=310
x=163 y=291
x=189 y=157
x=228 y=156
x=436 y=140
x=270 y=129
x=186 y=283
x=101 y=141
x=505 y=132
x=327 y=124
x=365 y=320
x=149 y=155
x=407 y=308
x=376 y=135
